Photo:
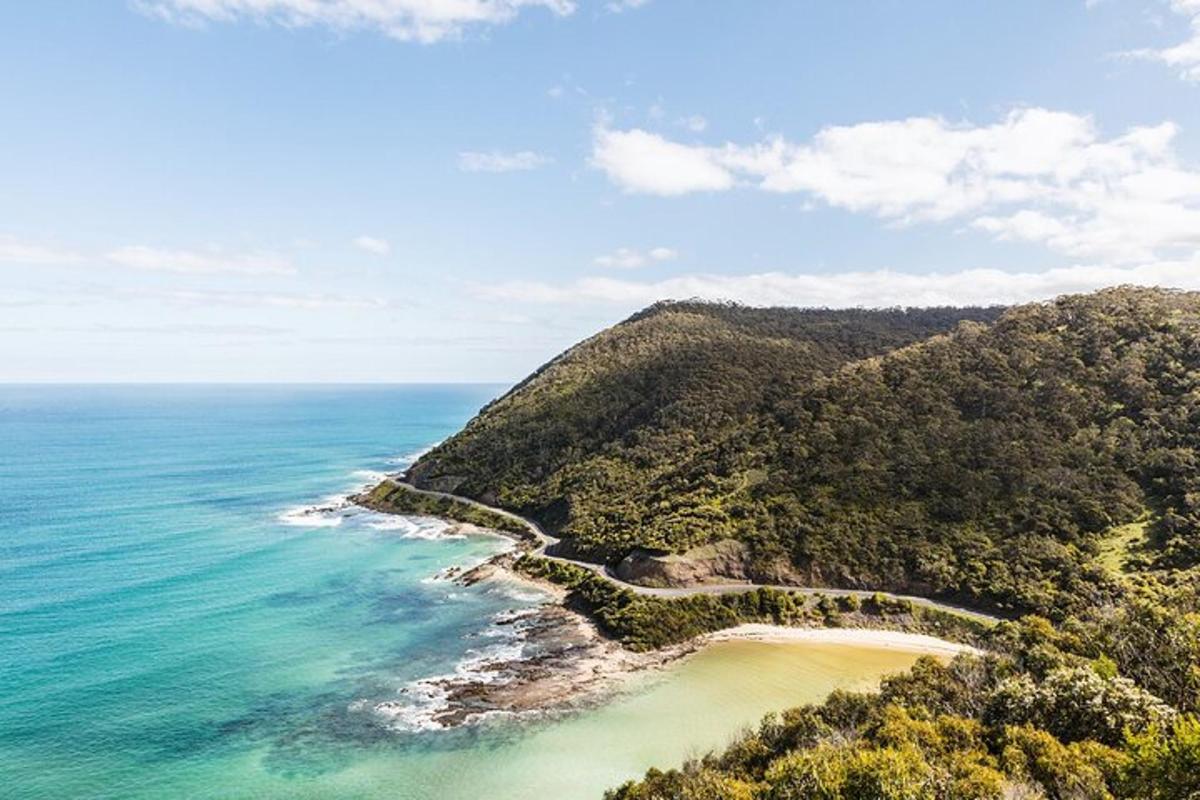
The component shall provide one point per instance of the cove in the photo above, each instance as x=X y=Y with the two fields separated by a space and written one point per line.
x=690 y=708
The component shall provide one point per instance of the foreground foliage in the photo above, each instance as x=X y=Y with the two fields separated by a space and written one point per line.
x=952 y=732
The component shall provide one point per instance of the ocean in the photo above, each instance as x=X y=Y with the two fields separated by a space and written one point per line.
x=188 y=610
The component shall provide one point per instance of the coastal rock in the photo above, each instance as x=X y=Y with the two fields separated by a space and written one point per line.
x=720 y=562
x=420 y=475
x=560 y=662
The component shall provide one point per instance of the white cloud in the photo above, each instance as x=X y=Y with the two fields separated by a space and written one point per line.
x=15 y=251
x=424 y=21
x=617 y=6
x=1184 y=56
x=628 y=258
x=497 y=161
x=646 y=163
x=853 y=289
x=370 y=244
x=694 y=123
x=1036 y=175
x=190 y=261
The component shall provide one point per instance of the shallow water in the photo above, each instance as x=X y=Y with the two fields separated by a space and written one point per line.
x=684 y=712
x=182 y=615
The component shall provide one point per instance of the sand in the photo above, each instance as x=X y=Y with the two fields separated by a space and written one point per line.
x=863 y=637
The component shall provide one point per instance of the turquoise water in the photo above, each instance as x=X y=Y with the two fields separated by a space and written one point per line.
x=187 y=612
x=167 y=616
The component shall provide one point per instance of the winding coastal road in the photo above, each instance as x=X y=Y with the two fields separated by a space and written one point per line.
x=545 y=541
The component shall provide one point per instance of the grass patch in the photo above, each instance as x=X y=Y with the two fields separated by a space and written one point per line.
x=1122 y=543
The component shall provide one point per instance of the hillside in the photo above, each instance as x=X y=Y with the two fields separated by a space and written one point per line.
x=968 y=453
x=635 y=435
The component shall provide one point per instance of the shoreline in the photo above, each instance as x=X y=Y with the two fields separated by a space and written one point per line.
x=563 y=662
x=535 y=541
x=877 y=638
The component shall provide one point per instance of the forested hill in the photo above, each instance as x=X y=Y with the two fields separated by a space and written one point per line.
x=1018 y=459
x=634 y=435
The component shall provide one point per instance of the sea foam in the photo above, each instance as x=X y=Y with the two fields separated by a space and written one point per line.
x=423 y=701
x=328 y=513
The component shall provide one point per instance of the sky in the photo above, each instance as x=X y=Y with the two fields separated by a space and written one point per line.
x=457 y=190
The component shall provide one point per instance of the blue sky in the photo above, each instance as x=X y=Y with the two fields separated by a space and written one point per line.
x=392 y=190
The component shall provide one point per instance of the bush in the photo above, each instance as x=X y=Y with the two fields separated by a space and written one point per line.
x=1076 y=703
x=1164 y=762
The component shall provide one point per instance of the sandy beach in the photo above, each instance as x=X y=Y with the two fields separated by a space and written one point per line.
x=862 y=637
x=561 y=661
x=565 y=663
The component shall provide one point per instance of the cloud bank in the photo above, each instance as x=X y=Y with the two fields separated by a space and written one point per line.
x=1038 y=175
x=854 y=289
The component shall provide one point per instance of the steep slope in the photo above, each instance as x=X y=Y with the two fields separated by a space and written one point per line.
x=991 y=463
x=962 y=453
x=648 y=433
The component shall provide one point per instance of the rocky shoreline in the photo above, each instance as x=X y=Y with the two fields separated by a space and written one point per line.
x=559 y=661
x=564 y=666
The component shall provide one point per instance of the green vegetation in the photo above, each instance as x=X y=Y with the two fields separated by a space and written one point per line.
x=1121 y=546
x=994 y=726
x=642 y=622
x=865 y=449
x=1043 y=461
x=396 y=498
x=654 y=432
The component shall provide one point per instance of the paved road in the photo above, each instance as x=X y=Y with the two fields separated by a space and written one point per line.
x=545 y=541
